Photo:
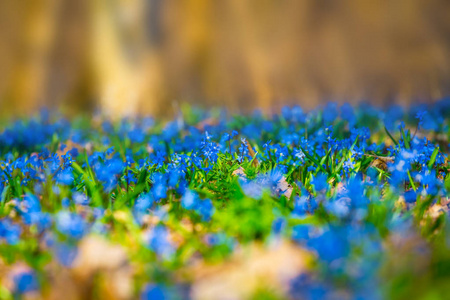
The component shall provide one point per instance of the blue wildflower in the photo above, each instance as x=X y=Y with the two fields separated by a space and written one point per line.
x=320 y=182
x=26 y=282
x=71 y=224
x=153 y=292
x=158 y=241
x=9 y=232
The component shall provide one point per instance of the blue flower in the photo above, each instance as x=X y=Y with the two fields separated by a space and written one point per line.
x=348 y=166
x=330 y=112
x=340 y=207
x=26 y=282
x=348 y=114
x=9 y=231
x=419 y=116
x=243 y=150
x=31 y=212
x=108 y=171
x=65 y=253
x=356 y=192
x=392 y=116
x=301 y=206
x=130 y=177
x=191 y=201
x=226 y=137
x=80 y=198
x=205 y=209
x=298 y=154
x=159 y=188
x=252 y=189
x=320 y=182
x=65 y=176
x=158 y=241
x=136 y=135
x=278 y=225
x=153 y=292
x=300 y=233
x=410 y=196
x=331 y=245
x=71 y=224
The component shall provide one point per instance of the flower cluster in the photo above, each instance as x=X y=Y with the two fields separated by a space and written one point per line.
x=361 y=191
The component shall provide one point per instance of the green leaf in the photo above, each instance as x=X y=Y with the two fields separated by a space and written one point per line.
x=406 y=139
x=142 y=177
x=126 y=198
x=314 y=161
x=90 y=184
x=411 y=181
x=392 y=138
x=433 y=157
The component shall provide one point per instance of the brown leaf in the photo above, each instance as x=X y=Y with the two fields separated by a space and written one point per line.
x=252 y=153
x=380 y=161
x=249 y=269
x=96 y=259
x=436 y=210
x=72 y=145
x=239 y=172
x=284 y=188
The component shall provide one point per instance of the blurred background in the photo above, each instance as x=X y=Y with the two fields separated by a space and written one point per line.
x=124 y=57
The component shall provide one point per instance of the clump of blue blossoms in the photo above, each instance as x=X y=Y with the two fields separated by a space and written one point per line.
x=358 y=193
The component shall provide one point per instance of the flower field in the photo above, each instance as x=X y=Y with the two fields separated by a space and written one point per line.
x=341 y=202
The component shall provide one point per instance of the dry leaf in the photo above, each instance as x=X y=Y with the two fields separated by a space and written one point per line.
x=283 y=187
x=239 y=172
x=380 y=161
x=72 y=145
x=252 y=268
x=252 y=153
x=97 y=258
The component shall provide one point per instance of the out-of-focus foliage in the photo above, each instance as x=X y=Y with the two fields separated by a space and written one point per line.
x=130 y=56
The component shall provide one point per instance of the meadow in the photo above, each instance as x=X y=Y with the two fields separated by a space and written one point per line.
x=339 y=202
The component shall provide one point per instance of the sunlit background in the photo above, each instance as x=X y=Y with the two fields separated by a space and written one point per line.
x=123 y=57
